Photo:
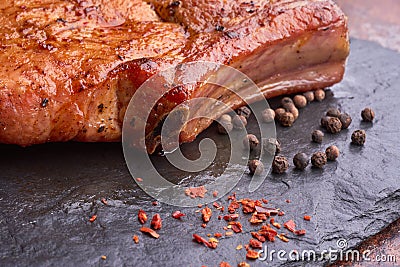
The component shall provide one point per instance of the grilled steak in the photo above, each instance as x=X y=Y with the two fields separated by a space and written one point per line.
x=70 y=67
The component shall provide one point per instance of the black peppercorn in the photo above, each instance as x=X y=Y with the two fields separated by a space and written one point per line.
x=301 y=161
x=250 y=141
x=225 y=124
x=256 y=167
x=333 y=112
x=272 y=146
x=332 y=152
x=300 y=101
x=358 y=137
x=319 y=95
x=318 y=159
x=280 y=164
x=309 y=96
x=279 y=112
x=239 y=122
x=244 y=111
x=286 y=119
x=317 y=136
x=268 y=115
x=368 y=115
x=333 y=125
x=345 y=119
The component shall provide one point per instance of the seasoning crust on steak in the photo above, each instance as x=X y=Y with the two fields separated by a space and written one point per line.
x=70 y=67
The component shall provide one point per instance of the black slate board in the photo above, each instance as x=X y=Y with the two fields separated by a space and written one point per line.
x=48 y=192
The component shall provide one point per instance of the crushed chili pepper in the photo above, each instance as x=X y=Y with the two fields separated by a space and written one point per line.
x=149 y=231
x=252 y=255
x=215 y=193
x=139 y=179
x=267 y=211
x=307 y=217
x=268 y=232
x=283 y=237
x=224 y=264
x=275 y=224
x=228 y=233
x=206 y=214
x=239 y=247
x=217 y=205
x=142 y=216
x=233 y=206
x=243 y=264
x=200 y=205
x=104 y=201
x=232 y=197
x=264 y=201
x=135 y=239
x=258 y=236
x=213 y=242
x=154 y=203
x=236 y=226
x=257 y=218
x=231 y=217
x=300 y=232
x=281 y=213
x=93 y=218
x=217 y=235
x=254 y=243
x=104 y=257
x=204 y=225
x=156 y=222
x=177 y=214
x=248 y=205
x=290 y=225
x=194 y=192
x=201 y=240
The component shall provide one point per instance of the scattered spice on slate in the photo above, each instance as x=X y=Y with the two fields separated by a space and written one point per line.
x=309 y=96
x=135 y=239
x=225 y=124
x=256 y=167
x=252 y=254
x=345 y=119
x=318 y=159
x=268 y=115
x=104 y=257
x=243 y=264
x=319 y=95
x=358 y=137
x=142 y=216
x=250 y=141
x=239 y=122
x=93 y=218
x=301 y=161
x=286 y=119
x=156 y=222
x=333 y=125
x=300 y=101
x=149 y=231
x=280 y=164
x=244 y=111
x=317 y=136
x=333 y=112
x=368 y=115
x=224 y=264
x=307 y=217
x=332 y=152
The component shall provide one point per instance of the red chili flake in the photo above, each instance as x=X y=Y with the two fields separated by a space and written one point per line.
x=277 y=225
x=177 y=214
x=206 y=214
x=258 y=203
x=243 y=264
x=248 y=205
x=231 y=217
x=232 y=197
x=104 y=201
x=204 y=225
x=236 y=226
x=219 y=217
x=228 y=233
x=225 y=228
x=218 y=235
x=139 y=179
x=142 y=216
x=254 y=219
x=217 y=205
x=267 y=211
x=224 y=264
x=254 y=243
x=307 y=217
x=104 y=257
x=215 y=193
x=93 y=218
x=149 y=231
x=300 y=232
x=258 y=236
x=268 y=233
x=233 y=206
x=281 y=213
x=288 y=201
x=154 y=203
x=213 y=242
x=200 y=205
x=283 y=237
x=156 y=222
x=252 y=255
x=290 y=225
x=264 y=201
x=202 y=240
x=194 y=192
x=135 y=239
